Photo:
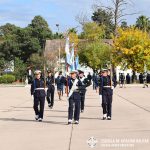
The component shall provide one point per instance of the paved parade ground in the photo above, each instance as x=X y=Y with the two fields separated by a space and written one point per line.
x=128 y=129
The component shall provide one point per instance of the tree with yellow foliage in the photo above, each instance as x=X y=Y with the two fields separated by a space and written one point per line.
x=73 y=37
x=132 y=49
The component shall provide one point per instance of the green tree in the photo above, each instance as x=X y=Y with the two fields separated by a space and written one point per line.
x=95 y=55
x=18 y=42
x=8 y=29
x=92 y=31
x=2 y=65
x=104 y=18
x=143 y=23
x=9 y=46
x=72 y=30
x=27 y=44
x=40 y=30
x=36 y=61
x=58 y=36
x=92 y=51
x=19 y=69
x=124 y=24
x=10 y=49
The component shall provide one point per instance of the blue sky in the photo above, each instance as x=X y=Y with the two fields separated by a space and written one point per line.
x=21 y=12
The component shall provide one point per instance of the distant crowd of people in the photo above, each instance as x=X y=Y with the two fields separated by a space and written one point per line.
x=142 y=78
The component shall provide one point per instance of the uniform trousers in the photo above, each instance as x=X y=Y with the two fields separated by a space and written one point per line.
x=50 y=96
x=74 y=106
x=38 y=106
x=107 y=101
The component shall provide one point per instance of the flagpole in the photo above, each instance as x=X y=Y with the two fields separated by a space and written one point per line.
x=67 y=65
x=67 y=85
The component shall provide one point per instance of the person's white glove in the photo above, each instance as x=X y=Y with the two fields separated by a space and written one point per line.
x=100 y=97
x=112 y=87
x=32 y=97
x=67 y=73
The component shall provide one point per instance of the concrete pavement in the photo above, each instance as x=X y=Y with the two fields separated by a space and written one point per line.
x=128 y=129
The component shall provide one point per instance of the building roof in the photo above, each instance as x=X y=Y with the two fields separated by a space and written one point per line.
x=53 y=45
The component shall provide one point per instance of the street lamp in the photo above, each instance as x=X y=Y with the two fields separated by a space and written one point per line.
x=57 y=25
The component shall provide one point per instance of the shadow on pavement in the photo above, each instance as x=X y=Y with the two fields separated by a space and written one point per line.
x=88 y=118
x=91 y=106
x=56 y=110
x=58 y=116
x=21 y=107
x=27 y=120
x=84 y=118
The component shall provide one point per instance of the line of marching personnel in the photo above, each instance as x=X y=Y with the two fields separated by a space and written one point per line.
x=77 y=84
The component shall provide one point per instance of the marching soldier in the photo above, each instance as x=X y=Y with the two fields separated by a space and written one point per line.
x=60 y=83
x=38 y=93
x=121 y=80
x=74 y=98
x=85 y=83
x=106 y=92
x=51 y=89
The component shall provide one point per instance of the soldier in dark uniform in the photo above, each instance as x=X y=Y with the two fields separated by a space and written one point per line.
x=121 y=79
x=74 y=98
x=141 y=78
x=51 y=89
x=106 y=92
x=148 y=78
x=38 y=93
x=89 y=77
x=85 y=83
x=60 y=83
x=128 y=78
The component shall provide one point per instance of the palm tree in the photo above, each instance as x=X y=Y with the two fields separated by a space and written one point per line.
x=143 y=23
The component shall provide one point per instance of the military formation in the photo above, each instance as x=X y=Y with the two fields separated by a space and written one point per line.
x=75 y=87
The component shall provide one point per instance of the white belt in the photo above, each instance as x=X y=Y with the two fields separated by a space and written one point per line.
x=107 y=86
x=39 y=89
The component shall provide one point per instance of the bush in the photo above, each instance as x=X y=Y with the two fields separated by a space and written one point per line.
x=7 y=79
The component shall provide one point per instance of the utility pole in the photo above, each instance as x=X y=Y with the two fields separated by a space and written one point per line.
x=57 y=25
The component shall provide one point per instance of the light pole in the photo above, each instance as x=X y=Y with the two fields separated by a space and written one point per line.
x=57 y=25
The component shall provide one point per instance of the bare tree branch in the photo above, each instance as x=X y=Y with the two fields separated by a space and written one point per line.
x=82 y=18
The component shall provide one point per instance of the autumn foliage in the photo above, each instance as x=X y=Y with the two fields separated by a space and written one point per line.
x=132 y=49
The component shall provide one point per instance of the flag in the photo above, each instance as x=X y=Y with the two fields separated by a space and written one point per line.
x=72 y=62
x=67 y=51
x=77 y=65
x=72 y=56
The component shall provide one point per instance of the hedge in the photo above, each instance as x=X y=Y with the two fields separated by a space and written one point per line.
x=7 y=79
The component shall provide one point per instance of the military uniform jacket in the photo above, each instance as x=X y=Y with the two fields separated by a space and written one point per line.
x=60 y=81
x=76 y=94
x=36 y=84
x=105 y=85
x=85 y=83
x=49 y=82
